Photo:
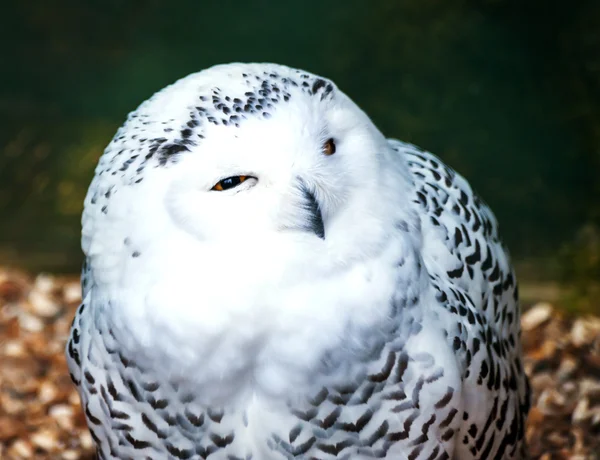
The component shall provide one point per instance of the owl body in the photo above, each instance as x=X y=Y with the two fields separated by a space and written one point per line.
x=268 y=277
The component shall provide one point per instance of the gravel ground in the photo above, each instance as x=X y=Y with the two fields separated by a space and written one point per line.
x=40 y=417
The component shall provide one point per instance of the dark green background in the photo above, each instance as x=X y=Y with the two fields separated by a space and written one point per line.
x=507 y=92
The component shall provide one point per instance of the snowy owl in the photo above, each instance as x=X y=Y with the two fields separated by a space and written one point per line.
x=268 y=277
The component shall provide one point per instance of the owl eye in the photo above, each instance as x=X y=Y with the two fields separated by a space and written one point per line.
x=329 y=147
x=229 y=182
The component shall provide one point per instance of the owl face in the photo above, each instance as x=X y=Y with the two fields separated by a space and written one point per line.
x=242 y=156
x=294 y=173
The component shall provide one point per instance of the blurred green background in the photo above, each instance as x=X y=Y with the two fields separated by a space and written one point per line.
x=506 y=91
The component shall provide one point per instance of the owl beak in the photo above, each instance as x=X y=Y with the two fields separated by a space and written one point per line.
x=314 y=219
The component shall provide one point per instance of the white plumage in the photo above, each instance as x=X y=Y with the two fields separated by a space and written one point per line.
x=268 y=277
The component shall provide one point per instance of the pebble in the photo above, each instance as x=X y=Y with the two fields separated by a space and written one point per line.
x=581 y=411
x=45 y=439
x=43 y=305
x=44 y=283
x=536 y=316
x=47 y=392
x=63 y=414
x=30 y=323
x=72 y=292
x=70 y=454
x=583 y=332
x=86 y=439
x=21 y=448
x=14 y=349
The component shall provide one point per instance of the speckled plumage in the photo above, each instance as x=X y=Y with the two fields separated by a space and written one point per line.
x=357 y=305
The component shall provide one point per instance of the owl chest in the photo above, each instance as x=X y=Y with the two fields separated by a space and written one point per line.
x=366 y=420
x=383 y=403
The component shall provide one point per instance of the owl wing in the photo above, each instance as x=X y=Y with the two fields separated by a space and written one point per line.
x=476 y=288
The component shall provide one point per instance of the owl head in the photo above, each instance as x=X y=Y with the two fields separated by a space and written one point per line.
x=243 y=156
x=227 y=194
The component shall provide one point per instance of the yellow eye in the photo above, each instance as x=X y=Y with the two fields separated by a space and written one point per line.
x=229 y=182
x=329 y=147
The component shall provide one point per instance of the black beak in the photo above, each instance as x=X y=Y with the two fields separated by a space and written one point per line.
x=314 y=222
